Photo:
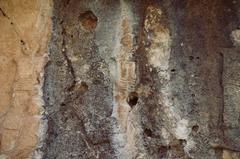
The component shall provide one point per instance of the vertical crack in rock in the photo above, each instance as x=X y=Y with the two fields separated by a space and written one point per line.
x=229 y=144
x=69 y=62
x=221 y=111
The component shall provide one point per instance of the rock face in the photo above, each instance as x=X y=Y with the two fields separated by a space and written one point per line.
x=124 y=79
x=25 y=28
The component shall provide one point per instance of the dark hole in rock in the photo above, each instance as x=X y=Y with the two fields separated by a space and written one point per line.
x=193 y=95
x=191 y=57
x=198 y=57
x=132 y=99
x=148 y=132
x=173 y=70
x=195 y=128
x=22 y=42
x=62 y=104
x=182 y=142
x=88 y=20
x=82 y=87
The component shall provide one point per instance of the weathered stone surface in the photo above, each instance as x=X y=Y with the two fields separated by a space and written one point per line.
x=152 y=71
x=125 y=79
x=25 y=27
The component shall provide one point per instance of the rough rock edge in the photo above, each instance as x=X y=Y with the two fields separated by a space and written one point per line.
x=41 y=133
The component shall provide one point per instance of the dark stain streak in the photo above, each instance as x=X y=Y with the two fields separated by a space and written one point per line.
x=69 y=62
x=16 y=30
x=3 y=13
x=221 y=108
x=83 y=129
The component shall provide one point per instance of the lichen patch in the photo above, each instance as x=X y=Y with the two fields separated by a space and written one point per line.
x=158 y=37
x=235 y=35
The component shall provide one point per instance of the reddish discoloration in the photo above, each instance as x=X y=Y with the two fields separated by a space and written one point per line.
x=88 y=20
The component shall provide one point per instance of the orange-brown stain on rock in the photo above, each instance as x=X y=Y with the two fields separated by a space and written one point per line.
x=126 y=40
x=131 y=72
x=88 y=20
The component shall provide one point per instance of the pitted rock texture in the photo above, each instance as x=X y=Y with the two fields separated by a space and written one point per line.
x=25 y=28
x=143 y=79
x=125 y=79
